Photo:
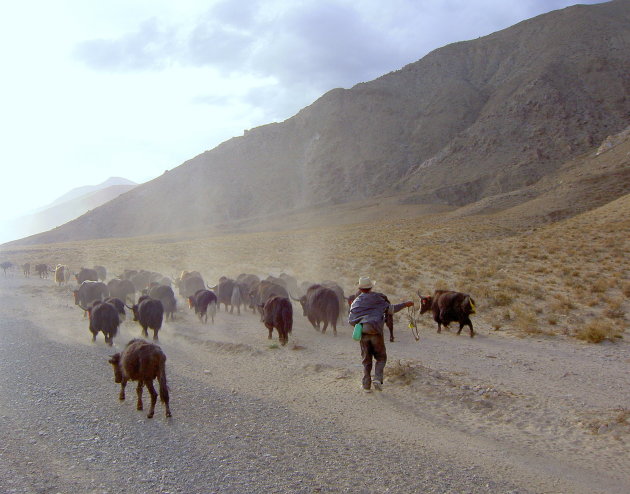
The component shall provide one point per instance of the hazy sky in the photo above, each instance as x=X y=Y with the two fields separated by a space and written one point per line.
x=92 y=89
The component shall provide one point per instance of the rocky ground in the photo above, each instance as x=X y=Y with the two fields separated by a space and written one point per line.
x=490 y=414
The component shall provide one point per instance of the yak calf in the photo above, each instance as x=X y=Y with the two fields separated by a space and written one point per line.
x=143 y=362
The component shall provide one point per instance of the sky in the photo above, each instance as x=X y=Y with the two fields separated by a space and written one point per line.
x=131 y=88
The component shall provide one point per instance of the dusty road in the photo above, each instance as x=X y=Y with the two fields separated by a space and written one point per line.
x=492 y=414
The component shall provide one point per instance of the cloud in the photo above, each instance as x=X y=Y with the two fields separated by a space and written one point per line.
x=325 y=44
x=151 y=47
x=220 y=46
x=293 y=50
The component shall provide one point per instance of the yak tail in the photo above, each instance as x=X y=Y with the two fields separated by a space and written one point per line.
x=164 y=398
x=288 y=319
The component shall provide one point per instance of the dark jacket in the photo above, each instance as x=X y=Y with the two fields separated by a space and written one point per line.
x=370 y=308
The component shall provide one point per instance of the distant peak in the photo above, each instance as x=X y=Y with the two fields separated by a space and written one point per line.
x=117 y=181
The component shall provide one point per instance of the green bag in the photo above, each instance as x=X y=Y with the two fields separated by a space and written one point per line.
x=358 y=329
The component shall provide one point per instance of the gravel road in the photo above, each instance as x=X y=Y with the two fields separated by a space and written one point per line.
x=237 y=425
x=64 y=430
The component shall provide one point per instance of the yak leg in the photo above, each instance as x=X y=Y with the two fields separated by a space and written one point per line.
x=389 y=321
x=155 y=334
x=121 y=395
x=94 y=336
x=145 y=333
x=325 y=326
x=139 y=393
x=270 y=328
x=153 y=393
x=284 y=338
x=164 y=396
x=313 y=322
x=468 y=323
x=334 y=326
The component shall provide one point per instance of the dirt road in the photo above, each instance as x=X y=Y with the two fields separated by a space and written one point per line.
x=491 y=414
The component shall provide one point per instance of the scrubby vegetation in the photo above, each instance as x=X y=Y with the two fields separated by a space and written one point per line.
x=566 y=278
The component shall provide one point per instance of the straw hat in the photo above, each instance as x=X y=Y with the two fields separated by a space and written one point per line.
x=365 y=282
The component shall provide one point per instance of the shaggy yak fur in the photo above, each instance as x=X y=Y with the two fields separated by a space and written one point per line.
x=278 y=313
x=448 y=306
x=143 y=362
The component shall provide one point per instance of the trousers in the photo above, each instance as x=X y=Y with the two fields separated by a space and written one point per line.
x=373 y=347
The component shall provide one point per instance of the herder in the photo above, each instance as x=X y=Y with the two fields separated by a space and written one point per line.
x=369 y=309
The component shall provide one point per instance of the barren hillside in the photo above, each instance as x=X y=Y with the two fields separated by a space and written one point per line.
x=470 y=120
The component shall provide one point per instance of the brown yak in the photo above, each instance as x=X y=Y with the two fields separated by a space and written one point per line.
x=448 y=306
x=143 y=362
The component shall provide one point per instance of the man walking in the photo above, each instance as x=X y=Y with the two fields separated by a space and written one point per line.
x=369 y=309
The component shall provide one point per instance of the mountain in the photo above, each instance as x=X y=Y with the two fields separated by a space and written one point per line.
x=86 y=190
x=469 y=121
x=66 y=208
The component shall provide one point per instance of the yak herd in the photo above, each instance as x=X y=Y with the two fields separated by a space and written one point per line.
x=322 y=304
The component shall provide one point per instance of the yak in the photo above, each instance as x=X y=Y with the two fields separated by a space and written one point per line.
x=104 y=318
x=86 y=274
x=149 y=313
x=321 y=305
x=201 y=301
x=260 y=293
x=165 y=295
x=122 y=289
x=277 y=312
x=90 y=291
x=448 y=306
x=143 y=362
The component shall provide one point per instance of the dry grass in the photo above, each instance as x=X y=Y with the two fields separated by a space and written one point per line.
x=525 y=280
x=597 y=331
x=400 y=372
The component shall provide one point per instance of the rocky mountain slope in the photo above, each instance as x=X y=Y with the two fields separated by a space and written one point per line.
x=469 y=121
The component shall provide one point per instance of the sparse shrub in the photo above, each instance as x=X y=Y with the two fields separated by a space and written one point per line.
x=525 y=320
x=615 y=313
x=469 y=272
x=501 y=299
x=597 y=331
x=600 y=285
x=510 y=285
x=562 y=304
x=622 y=416
x=401 y=372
